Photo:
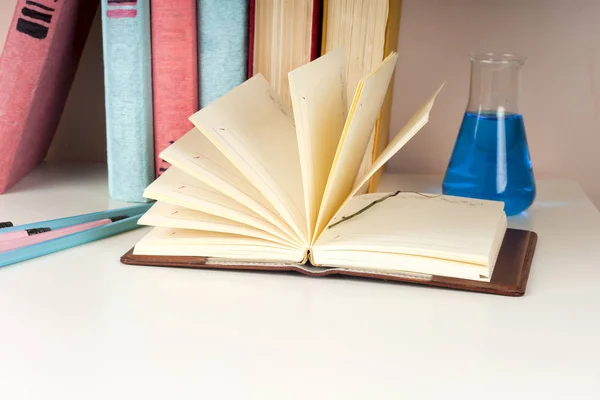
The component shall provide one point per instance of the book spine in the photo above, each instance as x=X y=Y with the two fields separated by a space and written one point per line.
x=324 y=18
x=251 y=19
x=128 y=97
x=317 y=28
x=223 y=42
x=174 y=72
x=37 y=66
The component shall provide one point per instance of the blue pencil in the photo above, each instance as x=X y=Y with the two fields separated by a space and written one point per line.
x=65 y=242
x=83 y=218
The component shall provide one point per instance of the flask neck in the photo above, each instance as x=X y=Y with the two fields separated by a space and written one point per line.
x=495 y=84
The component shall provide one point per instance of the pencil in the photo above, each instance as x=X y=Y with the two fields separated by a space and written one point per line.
x=68 y=241
x=8 y=245
x=22 y=233
x=59 y=223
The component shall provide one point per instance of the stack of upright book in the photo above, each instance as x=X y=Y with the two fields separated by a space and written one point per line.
x=163 y=61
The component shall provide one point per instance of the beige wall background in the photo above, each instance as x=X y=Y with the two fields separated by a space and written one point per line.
x=560 y=97
x=7 y=9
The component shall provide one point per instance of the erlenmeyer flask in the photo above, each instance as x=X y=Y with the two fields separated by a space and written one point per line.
x=490 y=159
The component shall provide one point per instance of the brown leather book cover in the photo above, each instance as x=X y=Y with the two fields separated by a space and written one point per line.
x=509 y=277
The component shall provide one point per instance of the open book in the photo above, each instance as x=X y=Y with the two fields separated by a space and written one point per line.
x=258 y=182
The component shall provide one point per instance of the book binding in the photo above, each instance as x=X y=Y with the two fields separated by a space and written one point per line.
x=128 y=98
x=174 y=72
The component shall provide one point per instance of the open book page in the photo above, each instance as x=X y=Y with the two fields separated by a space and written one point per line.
x=256 y=132
x=181 y=242
x=368 y=261
x=178 y=188
x=195 y=155
x=412 y=127
x=429 y=225
x=362 y=117
x=318 y=95
x=173 y=216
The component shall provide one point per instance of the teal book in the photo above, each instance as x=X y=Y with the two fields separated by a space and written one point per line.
x=128 y=97
x=223 y=47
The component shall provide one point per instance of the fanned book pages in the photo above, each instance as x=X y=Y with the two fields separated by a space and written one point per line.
x=258 y=182
x=368 y=31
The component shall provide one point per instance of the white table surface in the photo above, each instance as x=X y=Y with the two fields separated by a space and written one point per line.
x=80 y=325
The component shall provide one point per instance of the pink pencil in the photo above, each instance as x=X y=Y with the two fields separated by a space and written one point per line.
x=22 y=234
x=8 y=245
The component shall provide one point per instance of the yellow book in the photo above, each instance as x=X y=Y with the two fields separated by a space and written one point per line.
x=257 y=181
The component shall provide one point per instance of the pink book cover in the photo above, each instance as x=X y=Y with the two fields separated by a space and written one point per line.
x=42 y=50
x=174 y=72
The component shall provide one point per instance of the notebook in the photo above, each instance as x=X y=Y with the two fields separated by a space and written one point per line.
x=256 y=183
x=510 y=276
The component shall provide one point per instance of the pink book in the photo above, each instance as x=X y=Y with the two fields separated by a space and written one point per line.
x=174 y=72
x=42 y=50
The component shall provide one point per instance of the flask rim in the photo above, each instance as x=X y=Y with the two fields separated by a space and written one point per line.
x=497 y=58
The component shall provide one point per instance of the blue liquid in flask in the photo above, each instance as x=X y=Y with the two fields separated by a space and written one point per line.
x=491 y=161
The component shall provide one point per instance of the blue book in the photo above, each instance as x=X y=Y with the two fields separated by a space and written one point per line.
x=128 y=97
x=223 y=47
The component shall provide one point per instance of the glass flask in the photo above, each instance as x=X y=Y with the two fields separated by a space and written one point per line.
x=490 y=159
